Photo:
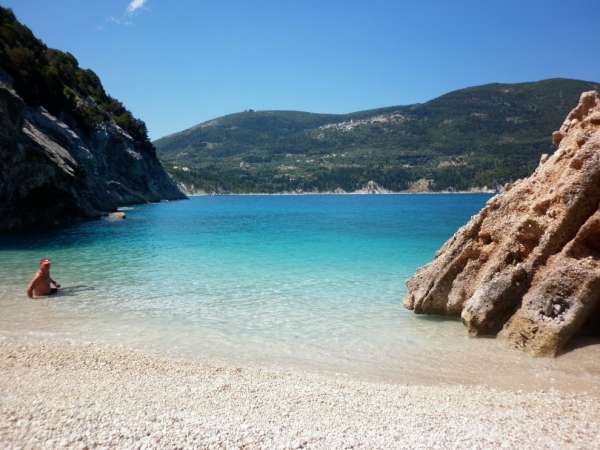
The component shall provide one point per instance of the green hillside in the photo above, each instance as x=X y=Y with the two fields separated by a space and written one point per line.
x=474 y=137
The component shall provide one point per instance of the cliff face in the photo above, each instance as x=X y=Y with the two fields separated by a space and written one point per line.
x=50 y=174
x=68 y=151
x=527 y=266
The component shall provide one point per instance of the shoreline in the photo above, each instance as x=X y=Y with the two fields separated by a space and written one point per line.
x=261 y=194
x=83 y=395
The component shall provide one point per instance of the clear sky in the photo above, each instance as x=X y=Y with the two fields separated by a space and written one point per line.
x=179 y=62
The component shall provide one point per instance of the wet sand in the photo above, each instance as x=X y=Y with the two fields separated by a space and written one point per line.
x=58 y=395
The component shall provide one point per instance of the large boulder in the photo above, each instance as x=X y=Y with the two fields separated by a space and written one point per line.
x=527 y=265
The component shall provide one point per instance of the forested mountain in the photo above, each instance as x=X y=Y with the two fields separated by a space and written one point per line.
x=470 y=138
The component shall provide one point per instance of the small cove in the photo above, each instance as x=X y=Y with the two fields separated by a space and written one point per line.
x=308 y=282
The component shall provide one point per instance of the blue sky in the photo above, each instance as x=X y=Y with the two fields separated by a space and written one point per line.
x=177 y=63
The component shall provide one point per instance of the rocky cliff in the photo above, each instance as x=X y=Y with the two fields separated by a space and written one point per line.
x=68 y=151
x=527 y=266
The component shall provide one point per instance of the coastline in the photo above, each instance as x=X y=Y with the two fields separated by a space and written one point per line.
x=84 y=395
x=209 y=194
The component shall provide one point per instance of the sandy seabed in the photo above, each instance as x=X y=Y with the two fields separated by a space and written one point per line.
x=63 y=395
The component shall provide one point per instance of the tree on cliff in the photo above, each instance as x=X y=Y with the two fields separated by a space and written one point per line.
x=53 y=79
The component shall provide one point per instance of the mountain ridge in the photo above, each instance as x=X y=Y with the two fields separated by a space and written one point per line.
x=373 y=110
x=480 y=136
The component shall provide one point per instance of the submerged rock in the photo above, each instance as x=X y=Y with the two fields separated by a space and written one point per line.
x=527 y=266
x=117 y=215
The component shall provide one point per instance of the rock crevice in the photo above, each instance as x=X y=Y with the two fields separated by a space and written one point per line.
x=527 y=266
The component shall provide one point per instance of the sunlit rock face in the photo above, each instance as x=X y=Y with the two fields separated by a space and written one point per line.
x=527 y=266
x=51 y=173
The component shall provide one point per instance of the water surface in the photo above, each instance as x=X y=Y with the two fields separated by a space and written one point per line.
x=311 y=282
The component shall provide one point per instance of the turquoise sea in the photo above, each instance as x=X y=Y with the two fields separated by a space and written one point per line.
x=306 y=282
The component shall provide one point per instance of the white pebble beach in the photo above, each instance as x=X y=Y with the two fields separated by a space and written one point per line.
x=65 y=395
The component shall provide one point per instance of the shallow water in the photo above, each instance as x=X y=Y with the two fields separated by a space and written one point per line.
x=311 y=282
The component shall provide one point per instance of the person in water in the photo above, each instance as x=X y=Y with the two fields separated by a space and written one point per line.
x=40 y=284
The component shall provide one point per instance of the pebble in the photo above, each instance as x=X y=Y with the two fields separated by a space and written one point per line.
x=57 y=395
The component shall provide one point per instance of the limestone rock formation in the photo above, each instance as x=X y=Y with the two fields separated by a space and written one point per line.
x=527 y=266
x=52 y=174
x=372 y=188
x=117 y=215
x=68 y=150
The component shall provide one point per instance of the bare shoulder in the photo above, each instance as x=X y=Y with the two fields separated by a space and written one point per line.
x=36 y=276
